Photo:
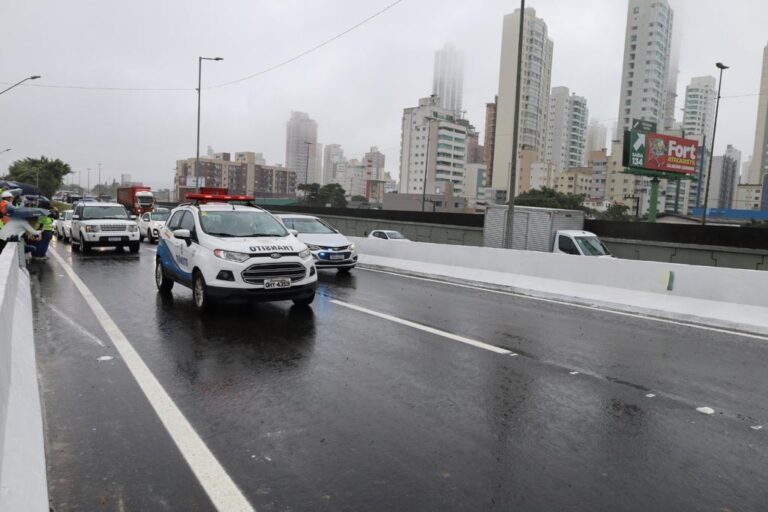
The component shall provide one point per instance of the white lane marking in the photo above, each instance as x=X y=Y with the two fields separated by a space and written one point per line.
x=431 y=330
x=574 y=373
x=756 y=427
x=650 y=395
x=105 y=358
x=219 y=486
x=82 y=330
x=705 y=410
x=581 y=306
x=512 y=354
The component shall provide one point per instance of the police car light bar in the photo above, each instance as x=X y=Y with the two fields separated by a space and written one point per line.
x=205 y=198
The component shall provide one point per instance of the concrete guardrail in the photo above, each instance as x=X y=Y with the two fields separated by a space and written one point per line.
x=724 y=297
x=23 y=483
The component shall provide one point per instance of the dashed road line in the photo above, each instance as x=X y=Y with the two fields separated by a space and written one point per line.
x=425 y=328
x=219 y=486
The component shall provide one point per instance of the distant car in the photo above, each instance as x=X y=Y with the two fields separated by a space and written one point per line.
x=63 y=226
x=388 y=234
x=330 y=249
x=151 y=223
x=97 y=224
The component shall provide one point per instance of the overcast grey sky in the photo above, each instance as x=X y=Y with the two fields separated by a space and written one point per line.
x=355 y=87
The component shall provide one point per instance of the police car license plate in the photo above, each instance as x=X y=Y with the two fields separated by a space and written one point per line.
x=114 y=239
x=276 y=283
x=337 y=256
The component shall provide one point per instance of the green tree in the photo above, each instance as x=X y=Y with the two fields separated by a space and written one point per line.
x=46 y=174
x=550 y=198
x=333 y=194
x=615 y=211
x=311 y=193
x=359 y=199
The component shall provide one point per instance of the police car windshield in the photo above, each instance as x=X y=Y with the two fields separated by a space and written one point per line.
x=104 y=212
x=240 y=223
x=303 y=225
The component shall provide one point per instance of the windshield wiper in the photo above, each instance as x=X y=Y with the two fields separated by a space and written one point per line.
x=228 y=235
x=260 y=234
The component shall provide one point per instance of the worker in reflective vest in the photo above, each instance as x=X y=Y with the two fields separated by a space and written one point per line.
x=45 y=225
x=6 y=206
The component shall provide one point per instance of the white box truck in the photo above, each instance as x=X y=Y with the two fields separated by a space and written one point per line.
x=542 y=229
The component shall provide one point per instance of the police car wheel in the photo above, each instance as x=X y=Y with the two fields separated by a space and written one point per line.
x=305 y=301
x=200 y=297
x=164 y=285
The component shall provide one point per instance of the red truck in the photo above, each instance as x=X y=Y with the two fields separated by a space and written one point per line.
x=137 y=200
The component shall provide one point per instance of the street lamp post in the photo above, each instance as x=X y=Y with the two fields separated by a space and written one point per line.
x=33 y=77
x=516 y=124
x=89 y=180
x=199 y=83
x=429 y=120
x=306 y=174
x=99 y=192
x=721 y=67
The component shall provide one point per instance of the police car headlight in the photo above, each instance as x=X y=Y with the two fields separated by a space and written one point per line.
x=352 y=247
x=133 y=228
x=231 y=256
x=305 y=253
x=314 y=247
x=91 y=229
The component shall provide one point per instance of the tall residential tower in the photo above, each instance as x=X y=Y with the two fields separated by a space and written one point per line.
x=759 y=167
x=566 y=130
x=448 y=78
x=534 y=97
x=301 y=147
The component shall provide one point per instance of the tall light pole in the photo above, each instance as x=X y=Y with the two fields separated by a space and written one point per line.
x=89 y=180
x=721 y=67
x=199 y=82
x=516 y=124
x=33 y=77
x=99 y=192
x=429 y=120
x=306 y=175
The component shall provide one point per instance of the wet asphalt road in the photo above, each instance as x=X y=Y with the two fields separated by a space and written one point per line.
x=337 y=409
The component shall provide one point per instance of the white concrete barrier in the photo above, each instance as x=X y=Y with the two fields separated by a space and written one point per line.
x=23 y=484
x=668 y=288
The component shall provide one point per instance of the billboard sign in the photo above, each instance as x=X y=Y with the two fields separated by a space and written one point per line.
x=661 y=153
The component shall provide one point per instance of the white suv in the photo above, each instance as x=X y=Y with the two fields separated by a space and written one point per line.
x=96 y=224
x=227 y=251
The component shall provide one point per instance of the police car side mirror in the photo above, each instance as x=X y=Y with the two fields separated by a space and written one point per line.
x=293 y=232
x=182 y=233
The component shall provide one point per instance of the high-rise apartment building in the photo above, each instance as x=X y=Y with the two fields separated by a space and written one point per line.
x=699 y=109
x=448 y=78
x=725 y=176
x=759 y=166
x=433 y=148
x=566 y=129
x=333 y=163
x=490 y=136
x=534 y=95
x=301 y=147
x=647 y=50
x=374 y=160
x=597 y=133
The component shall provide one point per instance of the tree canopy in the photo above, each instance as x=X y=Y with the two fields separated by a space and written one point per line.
x=615 y=211
x=315 y=195
x=46 y=174
x=550 y=198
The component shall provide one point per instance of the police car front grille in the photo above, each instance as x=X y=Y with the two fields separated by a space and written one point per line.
x=113 y=227
x=255 y=274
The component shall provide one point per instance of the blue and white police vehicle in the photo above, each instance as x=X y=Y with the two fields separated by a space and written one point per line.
x=225 y=250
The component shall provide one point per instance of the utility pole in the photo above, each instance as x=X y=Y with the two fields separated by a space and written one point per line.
x=99 y=193
x=513 y=161
x=721 y=67
x=199 y=85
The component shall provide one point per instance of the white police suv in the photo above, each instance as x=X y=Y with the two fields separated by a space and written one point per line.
x=224 y=250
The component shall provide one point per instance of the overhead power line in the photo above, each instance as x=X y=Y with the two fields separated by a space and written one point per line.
x=310 y=50
x=248 y=77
